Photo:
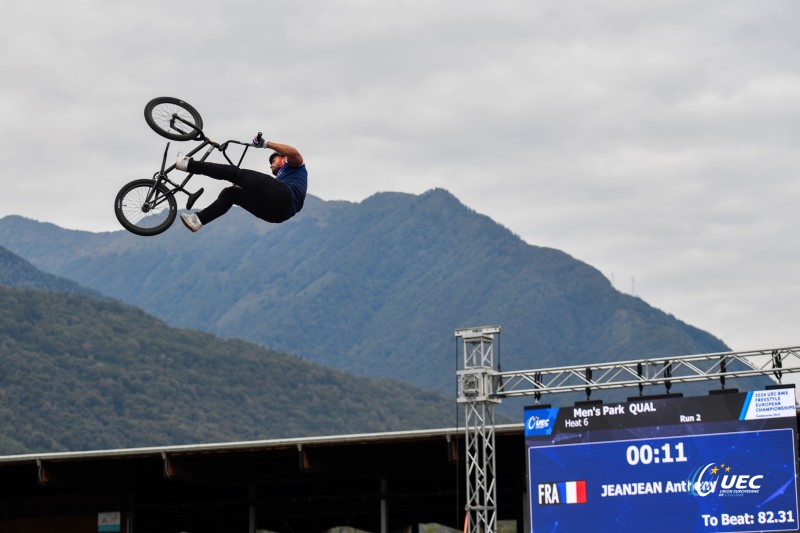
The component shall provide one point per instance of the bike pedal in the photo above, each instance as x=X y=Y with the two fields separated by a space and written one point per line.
x=193 y=198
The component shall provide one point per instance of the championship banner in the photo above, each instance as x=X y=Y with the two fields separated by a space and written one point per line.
x=717 y=463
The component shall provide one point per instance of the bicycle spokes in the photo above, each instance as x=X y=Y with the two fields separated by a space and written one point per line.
x=144 y=205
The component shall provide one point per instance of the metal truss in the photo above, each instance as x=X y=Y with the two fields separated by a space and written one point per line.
x=481 y=387
x=475 y=387
x=664 y=371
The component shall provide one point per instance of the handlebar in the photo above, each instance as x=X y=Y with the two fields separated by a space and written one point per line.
x=224 y=146
x=226 y=143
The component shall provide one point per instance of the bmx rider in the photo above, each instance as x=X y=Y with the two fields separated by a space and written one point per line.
x=271 y=199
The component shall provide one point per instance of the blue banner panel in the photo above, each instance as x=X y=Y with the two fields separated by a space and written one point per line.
x=696 y=483
x=724 y=463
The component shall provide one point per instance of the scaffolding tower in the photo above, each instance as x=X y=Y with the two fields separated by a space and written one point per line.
x=476 y=391
x=482 y=385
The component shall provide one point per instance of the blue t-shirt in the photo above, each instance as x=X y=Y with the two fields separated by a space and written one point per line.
x=296 y=178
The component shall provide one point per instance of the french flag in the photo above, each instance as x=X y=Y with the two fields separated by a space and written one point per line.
x=572 y=491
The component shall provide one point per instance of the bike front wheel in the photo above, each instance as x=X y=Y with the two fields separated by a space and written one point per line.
x=144 y=208
x=169 y=116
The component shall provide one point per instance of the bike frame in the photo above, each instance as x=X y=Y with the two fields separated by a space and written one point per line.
x=161 y=177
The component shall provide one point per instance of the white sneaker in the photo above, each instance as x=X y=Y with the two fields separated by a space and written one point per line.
x=191 y=221
x=182 y=163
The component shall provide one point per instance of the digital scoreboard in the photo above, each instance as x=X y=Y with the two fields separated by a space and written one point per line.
x=717 y=463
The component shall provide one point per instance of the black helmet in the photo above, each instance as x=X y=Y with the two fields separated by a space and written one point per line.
x=273 y=156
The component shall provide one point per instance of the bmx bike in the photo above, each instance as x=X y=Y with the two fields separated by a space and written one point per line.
x=148 y=207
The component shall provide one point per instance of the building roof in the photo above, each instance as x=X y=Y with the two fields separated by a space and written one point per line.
x=250 y=446
x=299 y=484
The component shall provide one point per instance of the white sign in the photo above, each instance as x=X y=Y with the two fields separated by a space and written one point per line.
x=775 y=403
x=108 y=522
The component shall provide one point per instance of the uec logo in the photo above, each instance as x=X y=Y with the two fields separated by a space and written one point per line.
x=703 y=481
x=535 y=422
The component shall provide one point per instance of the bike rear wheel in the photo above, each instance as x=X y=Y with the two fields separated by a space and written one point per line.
x=141 y=216
x=160 y=113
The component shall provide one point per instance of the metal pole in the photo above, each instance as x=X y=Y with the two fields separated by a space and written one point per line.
x=476 y=386
x=252 y=510
x=384 y=507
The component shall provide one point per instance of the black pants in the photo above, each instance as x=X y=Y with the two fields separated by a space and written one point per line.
x=260 y=194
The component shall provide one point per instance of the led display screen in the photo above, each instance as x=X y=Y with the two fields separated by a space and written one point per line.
x=717 y=463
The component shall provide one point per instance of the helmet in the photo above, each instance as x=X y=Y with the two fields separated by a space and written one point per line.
x=273 y=155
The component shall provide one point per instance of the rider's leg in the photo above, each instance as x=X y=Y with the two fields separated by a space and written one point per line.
x=213 y=170
x=260 y=194
x=270 y=201
x=272 y=207
x=220 y=206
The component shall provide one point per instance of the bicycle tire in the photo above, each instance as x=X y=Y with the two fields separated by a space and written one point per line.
x=135 y=216
x=158 y=114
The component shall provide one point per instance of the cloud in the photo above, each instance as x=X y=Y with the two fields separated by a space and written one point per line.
x=655 y=141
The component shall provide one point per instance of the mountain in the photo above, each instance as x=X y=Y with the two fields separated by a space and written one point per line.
x=82 y=373
x=16 y=272
x=375 y=288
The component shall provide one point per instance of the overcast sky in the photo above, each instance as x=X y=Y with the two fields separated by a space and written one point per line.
x=656 y=141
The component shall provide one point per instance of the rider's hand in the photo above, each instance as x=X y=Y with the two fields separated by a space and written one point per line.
x=259 y=141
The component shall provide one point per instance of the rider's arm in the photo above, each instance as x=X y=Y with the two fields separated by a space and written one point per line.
x=291 y=153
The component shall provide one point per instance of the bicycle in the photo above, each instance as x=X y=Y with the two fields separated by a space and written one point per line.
x=148 y=207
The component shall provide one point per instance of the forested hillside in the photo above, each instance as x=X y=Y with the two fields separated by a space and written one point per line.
x=81 y=373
